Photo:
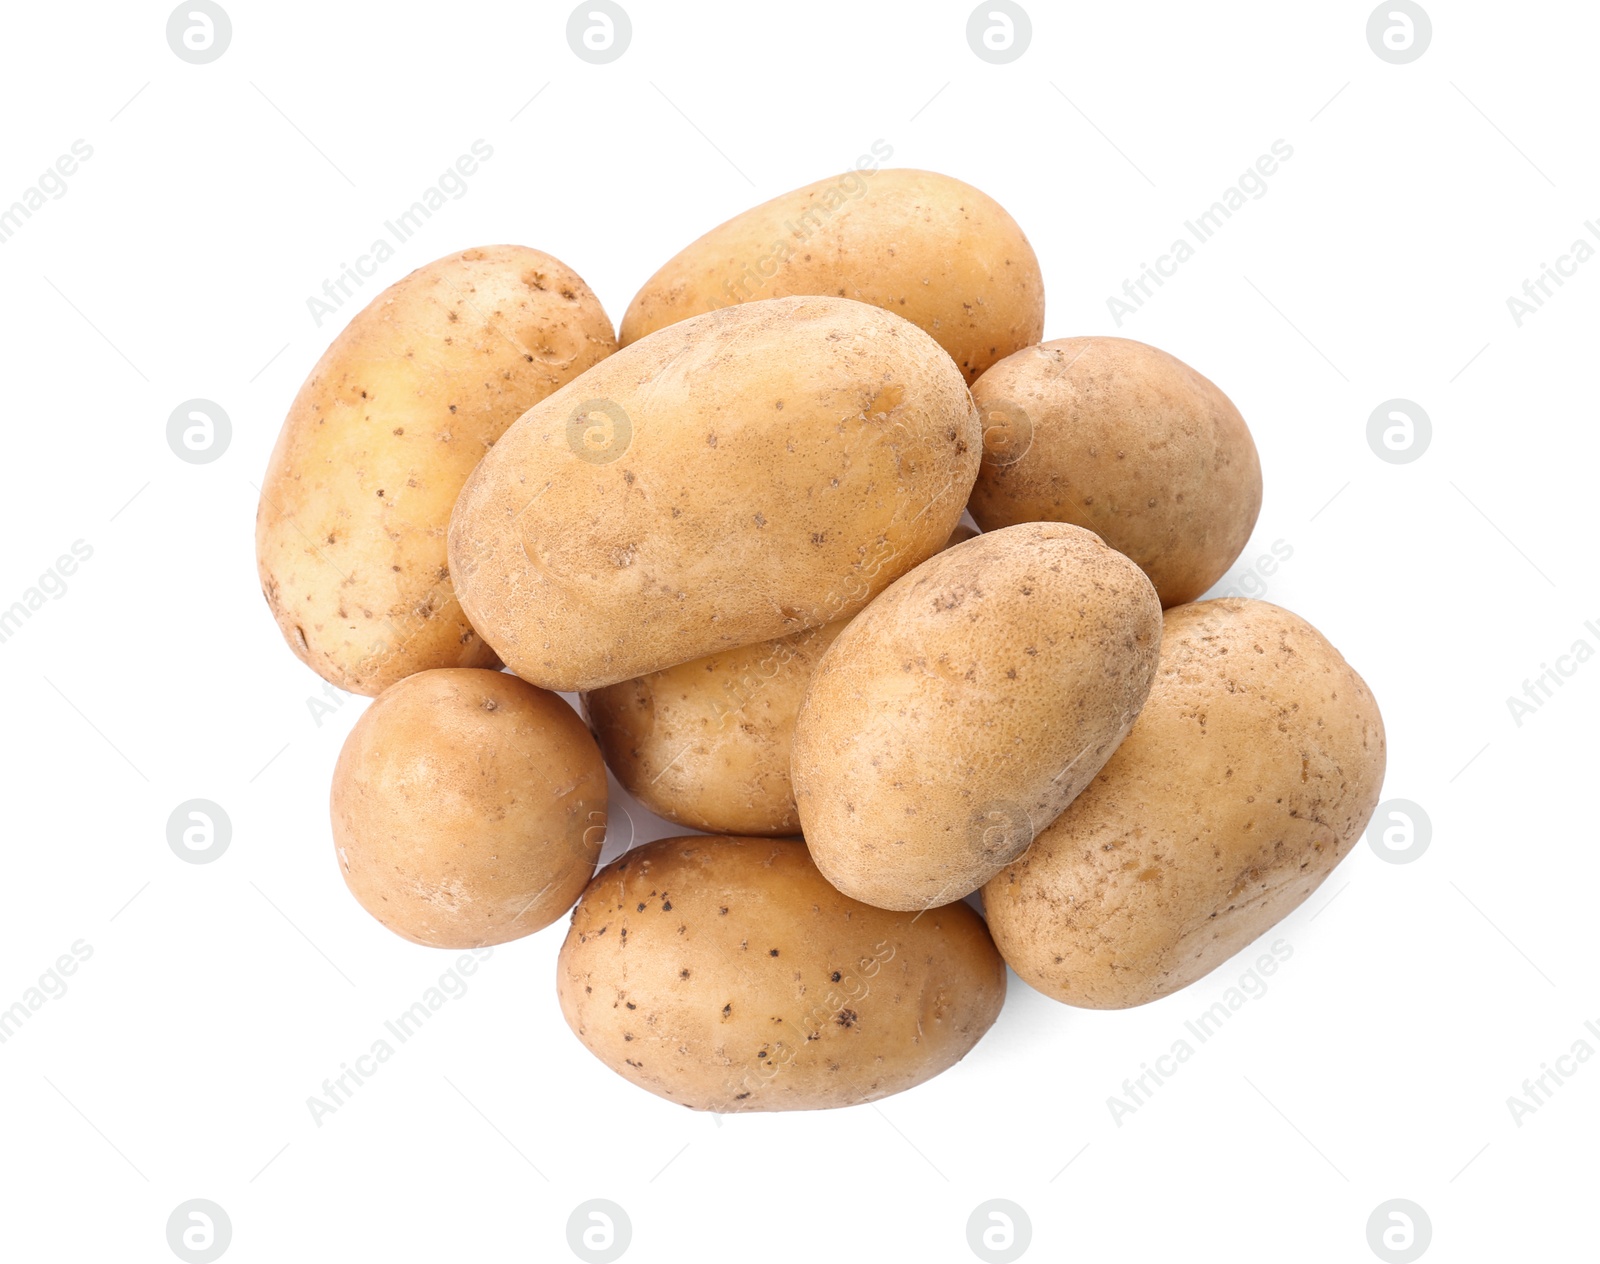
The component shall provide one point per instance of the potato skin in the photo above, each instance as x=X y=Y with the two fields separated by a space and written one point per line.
x=922 y=245
x=1128 y=441
x=468 y=807
x=1250 y=773
x=965 y=708
x=726 y=974
x=707 y=743
x=735 y=478
x=350 y=531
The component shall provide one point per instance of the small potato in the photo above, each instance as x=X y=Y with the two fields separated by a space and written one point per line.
x=350 y=531
x=706 y=743
x=725 y=974
x=962 y=710
x=734 y=478
x=468 y=808
x=1127 y=441
x=1251 y=771
x=922 y=245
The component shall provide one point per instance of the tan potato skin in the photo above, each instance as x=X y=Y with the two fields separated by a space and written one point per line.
x=922 y=245
x=965 y=708
x=707 y=743
x=350 y=532
x=725 y=974
x=775 y=466
x=468 y=807
x=1251 y=771
x=1125 y=440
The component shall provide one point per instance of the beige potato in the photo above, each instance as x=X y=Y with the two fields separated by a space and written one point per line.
x=350 y=532
x=1125 y=440
x=469 y=808
x=706 y=743
x=922 y=245
x=1251 y=771
x=966 y=707
x=725 y=974
x=734 y=478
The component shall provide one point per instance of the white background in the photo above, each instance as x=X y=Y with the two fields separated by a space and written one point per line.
x=177 y=265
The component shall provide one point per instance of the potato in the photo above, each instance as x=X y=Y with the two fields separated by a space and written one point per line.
x=1249 y=774
x=737 y=477
x=966 y=707
x=1127 y=441
x=468 y=808
x=725 y=974
x=350 y=532
x=706 y=743
x=924 y=246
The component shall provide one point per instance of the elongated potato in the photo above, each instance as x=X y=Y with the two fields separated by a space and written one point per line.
x=351 y=529
x=924 y=246
x=706 y=743
x=725 y=974
x=734 y=478
x=966 y=707
x=1128 y=441
x=1251 y=771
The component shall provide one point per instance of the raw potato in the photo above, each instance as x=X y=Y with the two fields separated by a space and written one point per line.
x=734 y=478
x=350 y=532
x=725 y=974
x=966 y=707
x=468 y=808
x=924 y=246
x=1125 y=440
x=706 y=743
x=1251 y=771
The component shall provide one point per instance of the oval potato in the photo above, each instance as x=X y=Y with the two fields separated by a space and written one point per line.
x=725 y=974
x=922 y=245
x=1253 y=768
x=1128 y=441
x=966 y=707
x=734 y=478
x=351 y=528
x=469 y=808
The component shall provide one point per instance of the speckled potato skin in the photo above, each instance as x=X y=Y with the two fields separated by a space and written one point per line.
x=924 y=246
x=725 y=974
x=763 y=470
x=707 y=743
x=965 y=708
x=468 y=808
x=350 y=531
x=1252 y=770
x=1127 y=441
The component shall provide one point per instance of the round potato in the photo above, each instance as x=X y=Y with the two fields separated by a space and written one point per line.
x=468 y=808
x=350 y=532
x=966 y=707
x=924 y=246
x=707 y=743
x=1128 y=441
x=1251 y=771
x=734 y=478
x=725 y=974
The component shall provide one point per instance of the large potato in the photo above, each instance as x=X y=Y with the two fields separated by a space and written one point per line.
x=1251 y=771
x=725 y=974
x=1125 y=440
x=350 y=532
x=924 y=246
x=469 y=808
x=707 y=743
x=965 y=708
x=734 y=478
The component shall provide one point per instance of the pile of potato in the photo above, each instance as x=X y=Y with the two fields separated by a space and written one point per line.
x=738 y=536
